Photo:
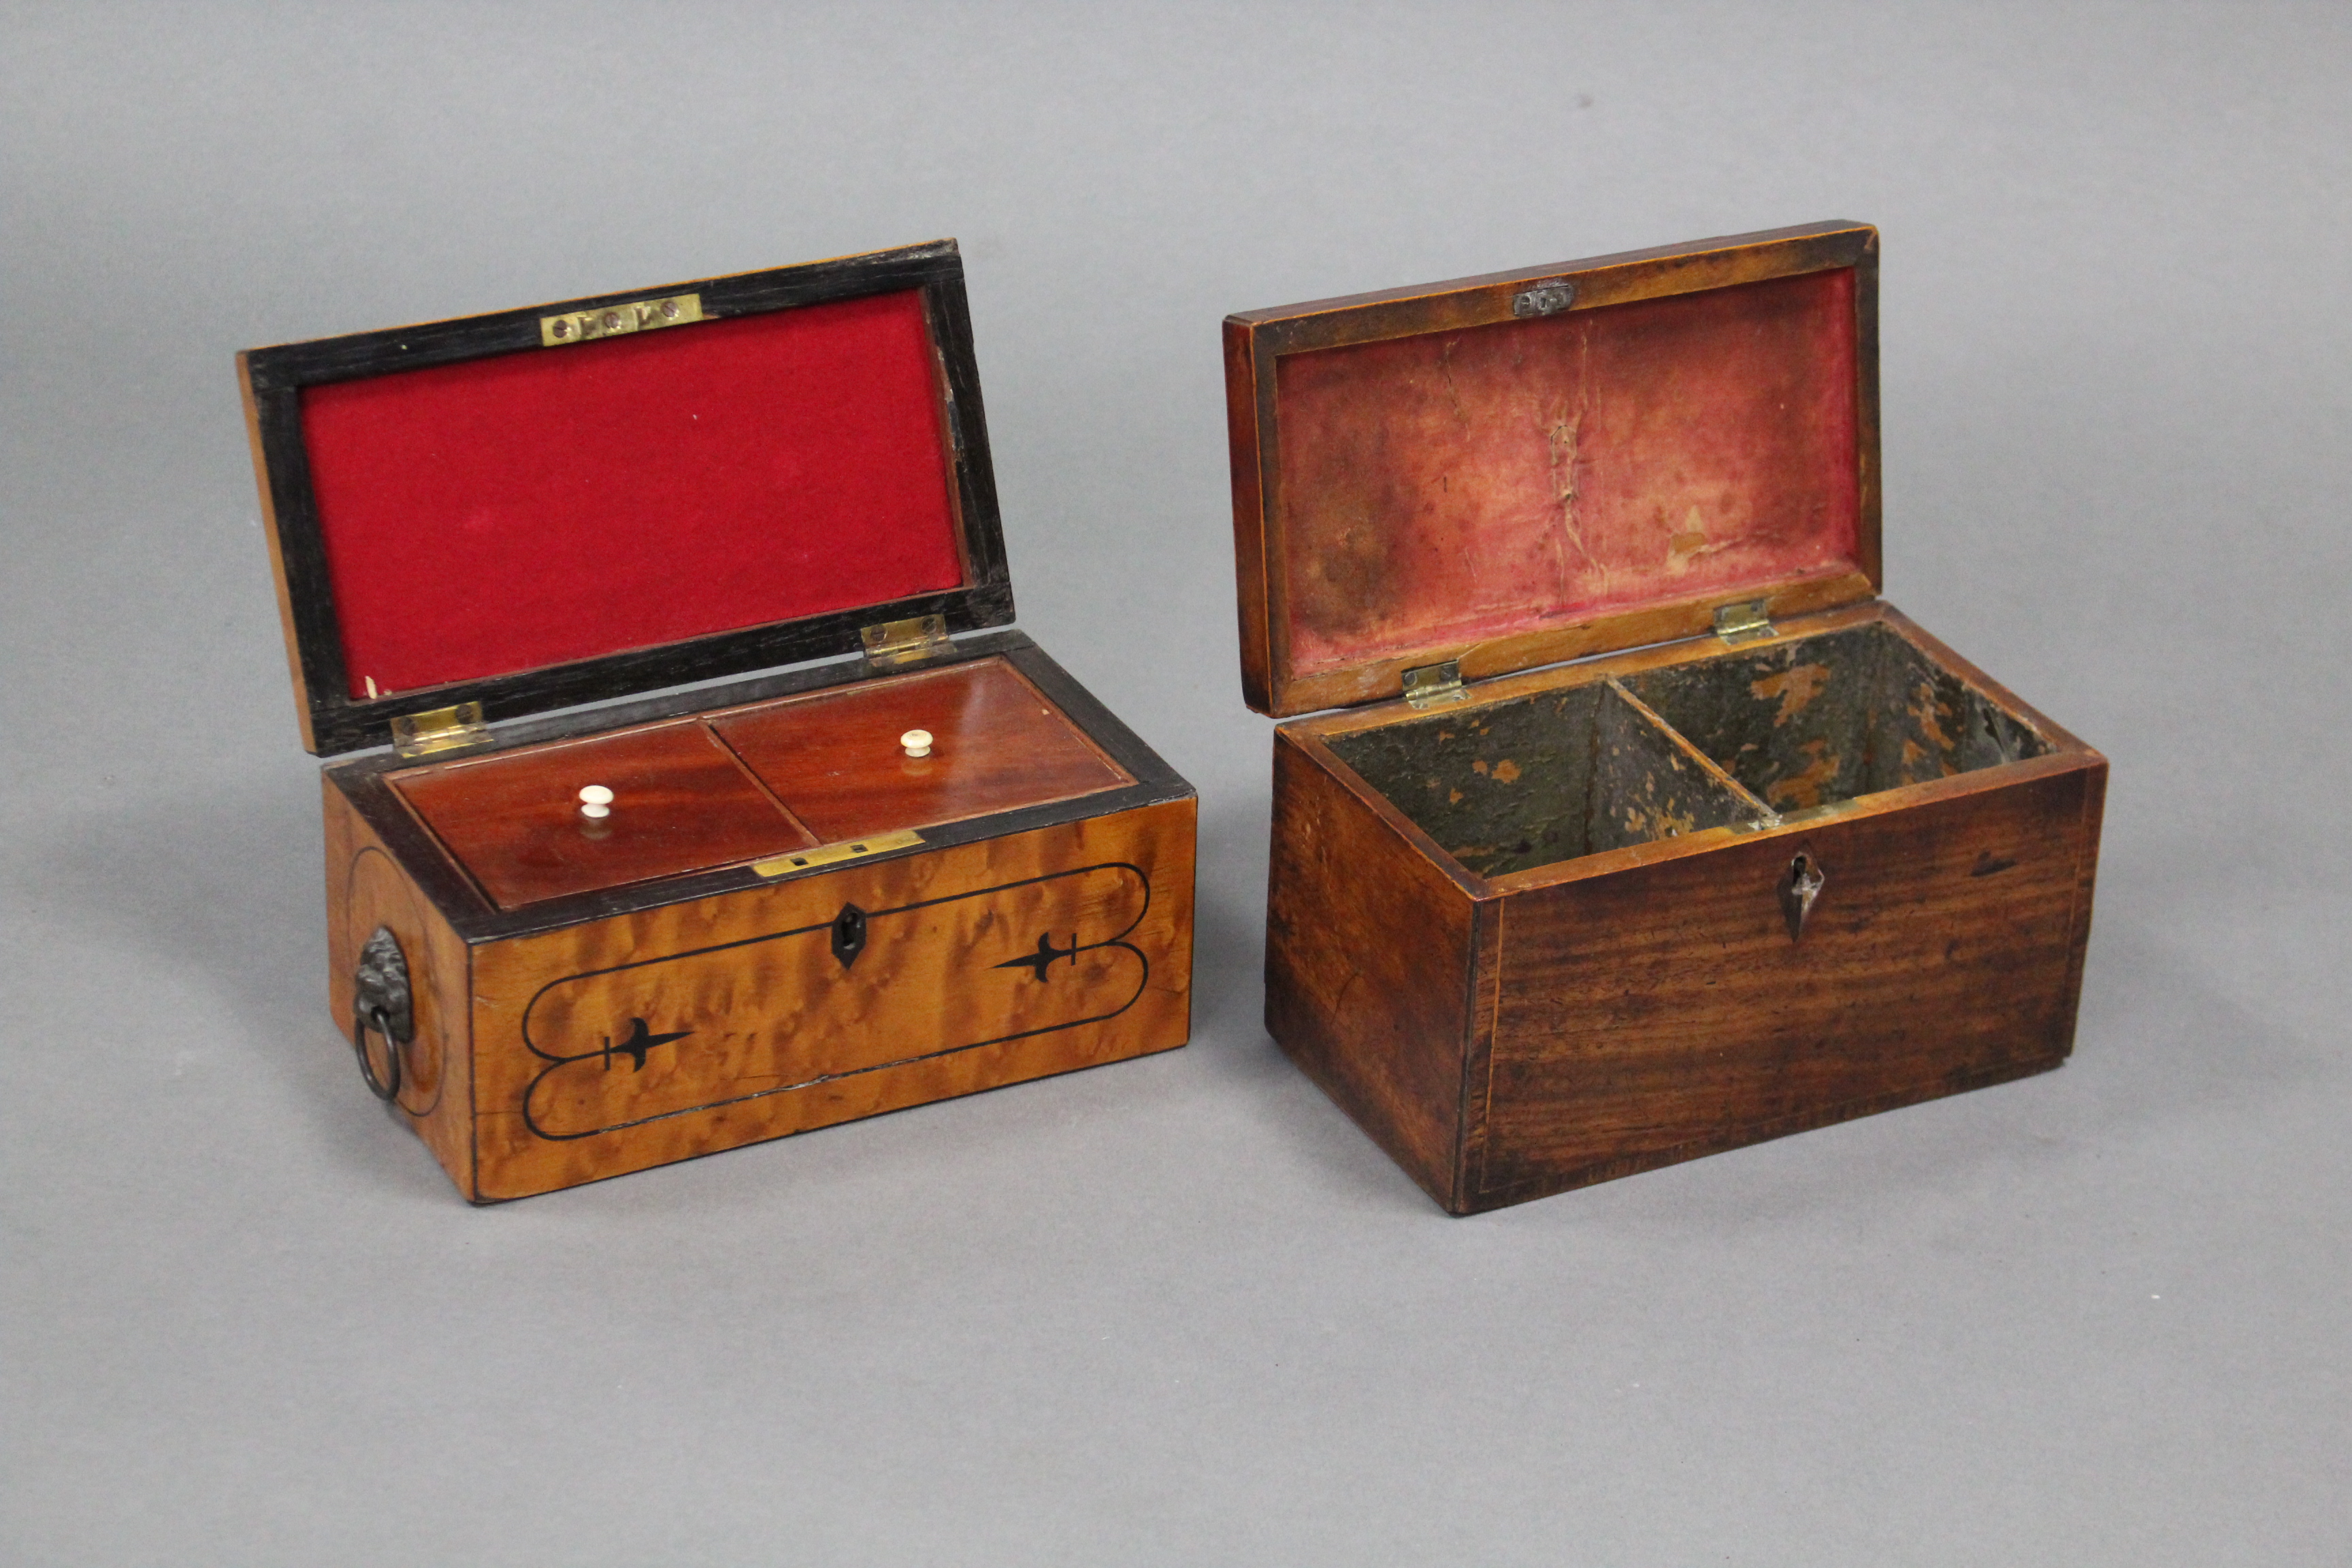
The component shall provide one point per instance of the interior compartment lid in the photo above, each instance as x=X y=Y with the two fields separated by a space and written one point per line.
x=551 y=505
x=1522 y=468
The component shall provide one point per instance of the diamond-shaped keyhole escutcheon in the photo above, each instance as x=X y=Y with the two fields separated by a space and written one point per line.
x=849 y=935
x=1799 y=889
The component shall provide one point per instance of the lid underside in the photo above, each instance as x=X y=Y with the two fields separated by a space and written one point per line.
x=469 y=511
x=530 y=510
x=1440 y=478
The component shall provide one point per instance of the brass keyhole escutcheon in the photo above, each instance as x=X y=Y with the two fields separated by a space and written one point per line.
x=1799 y=890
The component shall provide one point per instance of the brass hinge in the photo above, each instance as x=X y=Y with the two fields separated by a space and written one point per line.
x=896 y=643
x=1743 y=622
x=1434 y=685
x=612 y=321
x=833 y=854
x=439 y=730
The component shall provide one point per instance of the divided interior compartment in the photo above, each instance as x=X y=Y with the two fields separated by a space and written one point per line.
x=747 y=783
x=1738 y=738
x=1819 y=720
x=1549 y=776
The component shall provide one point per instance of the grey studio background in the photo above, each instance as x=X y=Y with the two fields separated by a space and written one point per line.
x=1180 y=1310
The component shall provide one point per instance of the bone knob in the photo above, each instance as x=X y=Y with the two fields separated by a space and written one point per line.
x=917 y=741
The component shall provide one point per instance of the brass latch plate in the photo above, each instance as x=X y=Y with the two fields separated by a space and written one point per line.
x=896 y=643
x=1547 y=298
x=1743 y=622
x=1434 y=685
x=833 y=854
x=613 y=320
x=439 y=730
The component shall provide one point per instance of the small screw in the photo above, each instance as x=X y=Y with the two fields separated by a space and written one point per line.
x=562 y=329
x=669 y=309
x=612 y=320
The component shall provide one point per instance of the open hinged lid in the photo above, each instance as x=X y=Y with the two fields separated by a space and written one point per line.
x=1472 y=477
x=551 y=506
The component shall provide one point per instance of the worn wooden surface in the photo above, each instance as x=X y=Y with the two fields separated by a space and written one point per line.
x=619 y=1045
x=1274 y=679
x=680 y=802
x=1646 y=1000
x=997 y=744
x=1368 y=952
x=1667 y=1012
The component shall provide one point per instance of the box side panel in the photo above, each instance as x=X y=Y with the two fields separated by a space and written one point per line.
x=367 y=890
x=2086 y=859
x=1368 y=979
x=1673 y=1010
x=649 y=1038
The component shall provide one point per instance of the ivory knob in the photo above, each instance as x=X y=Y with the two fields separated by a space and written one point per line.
x=917 y=741
x=596 y=800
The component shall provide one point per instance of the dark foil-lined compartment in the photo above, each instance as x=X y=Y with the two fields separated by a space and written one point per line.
x=1737 y=740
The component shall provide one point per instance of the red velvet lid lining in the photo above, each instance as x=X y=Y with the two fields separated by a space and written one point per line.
x=534 y=509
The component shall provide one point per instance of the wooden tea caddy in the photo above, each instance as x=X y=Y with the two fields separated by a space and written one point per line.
x=784 y=918
x=1781 y=859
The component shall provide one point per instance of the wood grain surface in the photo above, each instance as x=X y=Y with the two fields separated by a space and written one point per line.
x=982 y=964
x=1666 y=1011
x=1368 y=967
x=367 y=890
x=997 y=744
x=1648 y=1002
x=681 y=801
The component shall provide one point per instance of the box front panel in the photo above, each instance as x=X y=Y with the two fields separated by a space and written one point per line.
x=694 y=1027
x=1703 y=1002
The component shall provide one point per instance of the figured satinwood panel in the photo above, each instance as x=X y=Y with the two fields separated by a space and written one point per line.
x=1367 y=964
x=681 y=1030
x=366 y=888
x=1664 y=1011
